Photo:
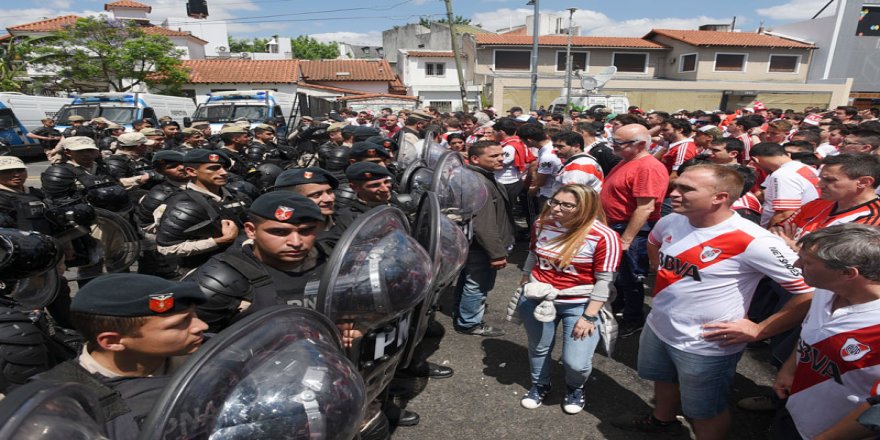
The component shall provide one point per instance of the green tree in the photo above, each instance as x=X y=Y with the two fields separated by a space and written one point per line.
x=248 y=45
x=117 y=54
x=15 y=54
x=307 y=48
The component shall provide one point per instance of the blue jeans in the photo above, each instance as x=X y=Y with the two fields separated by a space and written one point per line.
x=477 y=278
x=577 y=354
x=631 y=276
x=703 y=381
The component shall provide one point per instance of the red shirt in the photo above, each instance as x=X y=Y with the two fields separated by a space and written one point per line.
x=643 y=177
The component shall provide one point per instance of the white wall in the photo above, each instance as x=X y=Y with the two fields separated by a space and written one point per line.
x=415 y=72
x=215 y=32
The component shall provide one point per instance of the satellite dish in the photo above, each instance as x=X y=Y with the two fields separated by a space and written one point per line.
x=589 y=83
x=605 y=76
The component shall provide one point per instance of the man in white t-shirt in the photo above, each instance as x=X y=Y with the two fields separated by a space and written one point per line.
x=789 y=186
x=541 y=188
x=709 y=261
x=836 y=366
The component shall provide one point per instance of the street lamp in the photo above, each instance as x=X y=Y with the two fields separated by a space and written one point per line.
x=536 y=30
x=568 y=63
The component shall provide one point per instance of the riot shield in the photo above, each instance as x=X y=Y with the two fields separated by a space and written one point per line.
x=277 y=374
x=460 y=191
x=28 y=267
x=447 y=246
x=432 y=151
x=407 y=152
x=49 y=410
x=416 y=179
x=374 y=279
x=113 y=246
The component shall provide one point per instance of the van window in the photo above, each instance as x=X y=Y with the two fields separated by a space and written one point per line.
x=276 y=112
x=149 y=113
x=7 y=119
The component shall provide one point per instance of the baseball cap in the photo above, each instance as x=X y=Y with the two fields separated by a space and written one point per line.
x=132 y=139
x=11 y=163
x=77 y=143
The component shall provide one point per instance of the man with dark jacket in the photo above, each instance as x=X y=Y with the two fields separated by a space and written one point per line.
x=493 y=239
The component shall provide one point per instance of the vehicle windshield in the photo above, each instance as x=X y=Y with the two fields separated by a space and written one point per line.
x=7 y=119
x=229 y=113
x=119 y=115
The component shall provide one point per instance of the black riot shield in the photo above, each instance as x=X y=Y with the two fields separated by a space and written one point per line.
x=49 y=410
x=372 y=282
x=277 y=374
x=447 y=246
x=112 y=246
x=28 y=267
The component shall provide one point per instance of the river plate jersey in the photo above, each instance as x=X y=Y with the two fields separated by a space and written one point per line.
x=838 y=363
x=788 y=188
x=709 y=275
x=820 y=214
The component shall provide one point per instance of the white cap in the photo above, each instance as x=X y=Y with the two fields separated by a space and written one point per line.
x=77 y=143
x=132 y=139
x=11 y=163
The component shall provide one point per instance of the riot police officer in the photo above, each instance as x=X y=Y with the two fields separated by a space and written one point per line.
x=21 y=206
x=205 y=218
x=171 y=130
x=235 y=139
x=169 y=164
x=82 y=175
x=280 y=266
x=77 y=128
x=107 y=138
x=192 y=138
x=129 y=165
x=371 y=186
x=318 y=185
x=364 y=151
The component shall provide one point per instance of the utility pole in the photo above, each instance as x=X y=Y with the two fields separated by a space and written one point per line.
x=568 y=63
x=536 y=30
x=462 y=87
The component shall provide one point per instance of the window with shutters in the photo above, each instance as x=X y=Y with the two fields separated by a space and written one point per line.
x=730 y=62
x=687 y=63
x=627 y=62
x=784 y=63
x=578 y=61
x=513 y=60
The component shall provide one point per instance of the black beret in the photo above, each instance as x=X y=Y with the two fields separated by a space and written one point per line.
x=200 y=155
x=389 y=144
x=286 y=207
x=367 y=149
x=132 y=294
x=366 y=171
x=302 y=176
x=349 y=129
x=167 y=156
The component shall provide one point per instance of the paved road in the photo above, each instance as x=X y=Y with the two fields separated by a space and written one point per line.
x=482 y=400
x=35 y=168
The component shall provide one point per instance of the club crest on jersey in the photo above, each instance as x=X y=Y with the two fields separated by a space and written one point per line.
x=283 y=213
x=709 y=253
x=161 y=303
x=668 y=239
x=308 y=174
x=854 y=350
x=214 y=157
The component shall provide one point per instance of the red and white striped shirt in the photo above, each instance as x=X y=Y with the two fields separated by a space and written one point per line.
x=600 y=252
x=709 y=275
x=788 y=188
x=678 y=153
x=581 y=169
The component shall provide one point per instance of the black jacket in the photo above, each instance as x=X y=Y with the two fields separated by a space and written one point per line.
x=493 y=224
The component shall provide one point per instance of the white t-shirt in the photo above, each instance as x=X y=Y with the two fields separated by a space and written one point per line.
x=709 y=275
x=548 y=165
x=788 y=188
x=510 y=173
x=838 y=363
x=827 y=149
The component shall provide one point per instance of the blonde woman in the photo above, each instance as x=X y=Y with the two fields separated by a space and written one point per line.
x=571 y=264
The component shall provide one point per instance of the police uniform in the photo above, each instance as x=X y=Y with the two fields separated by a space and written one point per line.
x=360 y=171
x=126 y=401
x=82 y=130
x=127 y=166
x=289 y=179
x=239 y=162
x=23 y=210
x=192 y=218
x=69 y=180
x=237 y=275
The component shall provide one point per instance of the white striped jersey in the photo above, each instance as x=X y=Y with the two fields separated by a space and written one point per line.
x=788 y=188
x=581 y=169
x=709 y=275
x=600 y=252
x=838 y=363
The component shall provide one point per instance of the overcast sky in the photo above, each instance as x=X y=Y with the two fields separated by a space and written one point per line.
x=362 y=22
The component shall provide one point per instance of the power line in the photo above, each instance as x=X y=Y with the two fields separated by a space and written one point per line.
x=235 y=20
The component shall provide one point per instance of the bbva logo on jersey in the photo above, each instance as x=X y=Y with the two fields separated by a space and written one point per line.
x=854 y=350
x=546 y=264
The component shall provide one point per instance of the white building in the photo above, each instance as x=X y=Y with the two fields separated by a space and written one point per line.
x=431 y=76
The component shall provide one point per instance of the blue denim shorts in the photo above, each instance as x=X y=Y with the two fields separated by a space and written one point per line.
x=704 y=381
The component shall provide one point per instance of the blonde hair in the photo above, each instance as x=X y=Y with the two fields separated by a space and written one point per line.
x=587 y=212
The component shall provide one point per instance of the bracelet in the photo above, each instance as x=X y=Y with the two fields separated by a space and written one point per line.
x=591 y=319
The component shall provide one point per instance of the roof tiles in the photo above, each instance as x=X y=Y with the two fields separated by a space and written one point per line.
x=430 y=54
x=347 y=70
x=50 y=25
x=128 y=4
x=242 y=71
x=717 y=38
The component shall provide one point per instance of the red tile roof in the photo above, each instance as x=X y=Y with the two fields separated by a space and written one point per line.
x=739 y=39
x=49 y=25
x=376 y=95
x=562 y=40
x=331 y=89
x=520 y=30
x=430 y=54
x=159 y=30
x=128 y=4
x=357 y=70
x=242 y=71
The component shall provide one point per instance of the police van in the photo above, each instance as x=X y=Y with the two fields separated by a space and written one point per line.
x=256 y=106
x=21 y=114
x=125 y=107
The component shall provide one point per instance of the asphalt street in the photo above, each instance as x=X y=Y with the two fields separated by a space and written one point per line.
x=481 y=401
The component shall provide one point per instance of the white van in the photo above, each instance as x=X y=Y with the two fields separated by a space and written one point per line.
x=255 y=105
x=20 y=114
x=125 y=107
x=617 y=103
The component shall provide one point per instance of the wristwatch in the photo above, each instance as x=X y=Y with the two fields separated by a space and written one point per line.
x=590 y=319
